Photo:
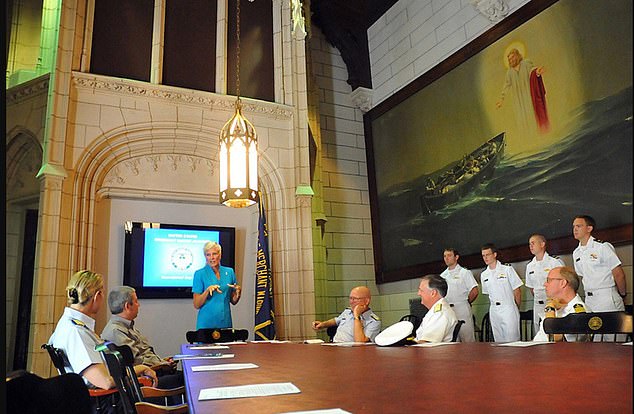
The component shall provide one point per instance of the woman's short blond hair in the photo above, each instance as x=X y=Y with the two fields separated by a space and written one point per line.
x=82 y=286
x=212 y=245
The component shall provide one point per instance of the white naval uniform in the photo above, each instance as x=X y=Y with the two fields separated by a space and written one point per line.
x=594 y=263
x=75 y=335
x=345 y=325
x=438 y=323
x=576 y=305
x=536 y=272
x=499 y=284
x=460 y=281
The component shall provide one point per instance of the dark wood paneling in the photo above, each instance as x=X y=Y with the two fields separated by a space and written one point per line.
x=122 y=38
x=189 y=58
x=256 y=49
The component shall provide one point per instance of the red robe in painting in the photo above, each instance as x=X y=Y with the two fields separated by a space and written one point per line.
x=538 y=95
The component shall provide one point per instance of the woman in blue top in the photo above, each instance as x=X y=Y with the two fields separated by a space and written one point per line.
x=214 y=287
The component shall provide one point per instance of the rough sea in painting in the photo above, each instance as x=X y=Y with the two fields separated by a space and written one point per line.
x=587 y=172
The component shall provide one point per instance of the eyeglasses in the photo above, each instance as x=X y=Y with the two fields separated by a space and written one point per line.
x=550 y=279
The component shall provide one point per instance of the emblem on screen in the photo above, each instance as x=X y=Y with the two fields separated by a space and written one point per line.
x=182 y=259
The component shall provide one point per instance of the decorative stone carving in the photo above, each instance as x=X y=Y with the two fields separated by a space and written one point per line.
x=164 y=173
x=494 y=10
x=83 y=81
x=27 y=90
x=362 y=98
x=298 y=20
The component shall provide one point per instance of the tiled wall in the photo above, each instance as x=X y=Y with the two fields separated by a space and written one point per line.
x=414 y=35
x=348 y=231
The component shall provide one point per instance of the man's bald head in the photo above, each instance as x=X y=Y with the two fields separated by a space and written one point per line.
x=359 y=295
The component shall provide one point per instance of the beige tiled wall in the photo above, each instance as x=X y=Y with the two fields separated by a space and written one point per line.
x=348 y=230
x=414 y=35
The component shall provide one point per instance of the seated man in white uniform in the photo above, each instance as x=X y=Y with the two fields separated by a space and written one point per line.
x=357 y=323
x=440 y=320
x=561 y=289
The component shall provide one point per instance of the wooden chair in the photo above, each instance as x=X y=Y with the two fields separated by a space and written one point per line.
x=58 y=357
x=28 y=393
x=211 y=335
x=526 y=325
x=456 y=331
x=592 y=326
x=121 y=366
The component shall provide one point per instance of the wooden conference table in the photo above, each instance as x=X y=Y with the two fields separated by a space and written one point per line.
x=458 y=378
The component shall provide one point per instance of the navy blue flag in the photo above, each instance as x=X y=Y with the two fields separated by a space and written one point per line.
x=264 y=311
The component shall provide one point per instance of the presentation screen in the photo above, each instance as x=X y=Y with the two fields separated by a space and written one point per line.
x=160 y=259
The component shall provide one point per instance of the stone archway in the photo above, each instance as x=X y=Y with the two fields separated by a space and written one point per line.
x=23 y=160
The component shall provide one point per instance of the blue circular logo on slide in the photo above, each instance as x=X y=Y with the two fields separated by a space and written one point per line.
x=182 y=259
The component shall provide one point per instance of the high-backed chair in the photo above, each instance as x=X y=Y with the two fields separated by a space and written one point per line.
x=331 y=331
x=210 y=335
x=417 y=308
x=593 y=326
x=526 y=325
x=414 y=319
x=487 y=331
x=121 y=366
x=99 y=395
x=456 y=330
x=28 y=393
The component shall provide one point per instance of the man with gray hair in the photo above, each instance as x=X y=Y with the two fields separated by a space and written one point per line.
x=440 y=319
x=124 y=306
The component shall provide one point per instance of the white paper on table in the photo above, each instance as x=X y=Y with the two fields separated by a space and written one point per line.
x=212 y=347
x=433 y=344
x=270 y=341
x=326 y=411
x=233 y=343
x=314 y=341
x=203 y=356
x=243 y=391
x=627 y=343
x=520 y=344
x=223 y=367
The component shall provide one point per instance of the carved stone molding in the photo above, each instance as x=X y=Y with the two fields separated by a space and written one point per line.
x=206 y=99
x=362 y=98
x=171 y=173
x=27 y=90
x=494 y=10
x=304 y=200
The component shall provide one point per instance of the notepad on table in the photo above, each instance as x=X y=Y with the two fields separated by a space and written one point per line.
x=243 y=391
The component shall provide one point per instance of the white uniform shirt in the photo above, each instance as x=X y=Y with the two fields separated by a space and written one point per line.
x=536 y=272
x=75 y=335
x=438 y=323
x=460 y=281
x=576 y=305
x=499 y=283
x=594 y=263
x=345 y=325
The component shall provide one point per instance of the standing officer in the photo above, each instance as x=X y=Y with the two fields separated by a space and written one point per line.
x=599 y=267
x=502 y=284
x=462 y=290
x=536 y=272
